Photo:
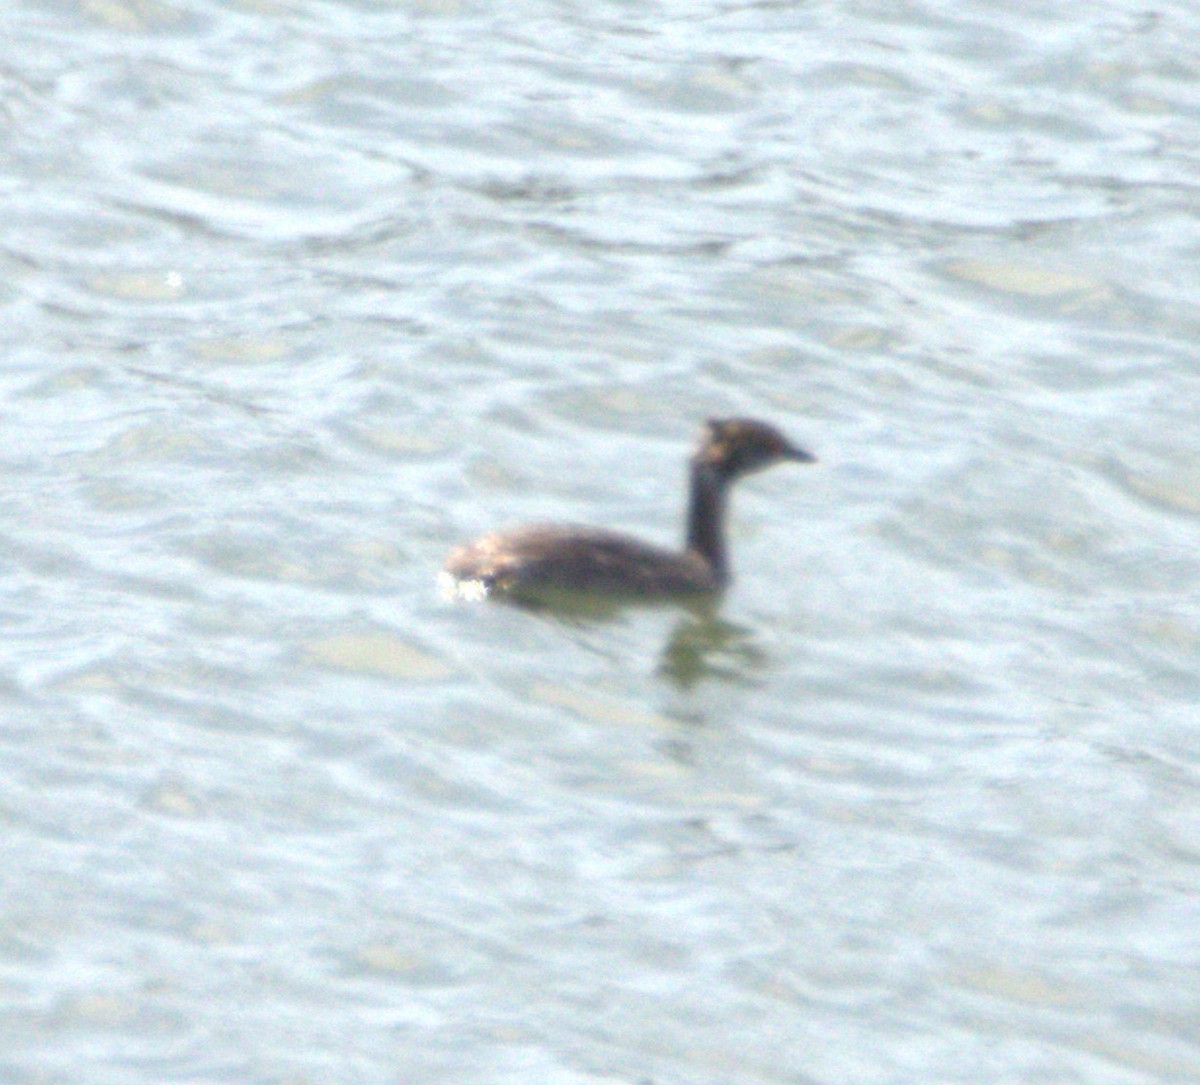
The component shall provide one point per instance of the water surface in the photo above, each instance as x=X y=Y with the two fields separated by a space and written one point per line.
x=297 y=297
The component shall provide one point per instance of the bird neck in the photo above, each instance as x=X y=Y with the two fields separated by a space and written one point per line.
x=706 y=519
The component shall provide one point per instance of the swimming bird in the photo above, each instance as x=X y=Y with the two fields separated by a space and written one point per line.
x=525 y=561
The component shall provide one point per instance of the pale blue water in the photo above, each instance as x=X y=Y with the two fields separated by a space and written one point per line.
x=297 y=297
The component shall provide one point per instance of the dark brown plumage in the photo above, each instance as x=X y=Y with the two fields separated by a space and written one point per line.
x=563 y=557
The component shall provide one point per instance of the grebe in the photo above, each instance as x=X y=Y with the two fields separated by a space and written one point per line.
x=538 y=558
